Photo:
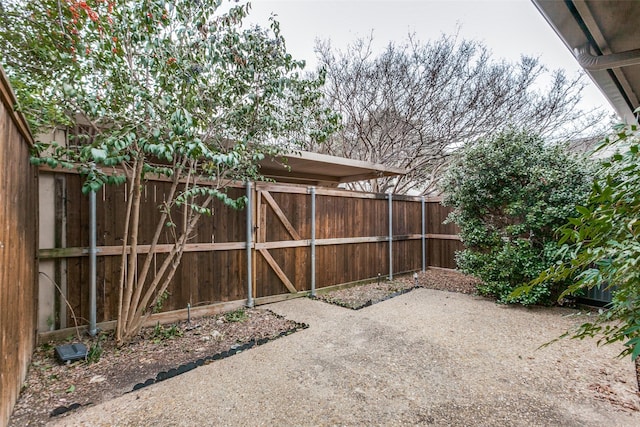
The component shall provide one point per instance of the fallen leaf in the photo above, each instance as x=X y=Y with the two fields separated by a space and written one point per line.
x=97 y=379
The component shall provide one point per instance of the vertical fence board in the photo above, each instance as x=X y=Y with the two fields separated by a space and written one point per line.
x=441 y=253
x=18 y=251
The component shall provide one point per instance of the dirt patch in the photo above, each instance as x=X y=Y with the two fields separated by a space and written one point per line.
x=446 y=280
x=52 y=388
x=366 y=294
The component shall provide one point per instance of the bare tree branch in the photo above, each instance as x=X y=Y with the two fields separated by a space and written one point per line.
x=416 y=103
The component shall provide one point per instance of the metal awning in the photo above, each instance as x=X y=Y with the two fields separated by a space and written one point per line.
x=604 y=36
x=322 y=170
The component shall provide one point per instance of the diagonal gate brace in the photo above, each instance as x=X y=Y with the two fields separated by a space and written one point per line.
x=276 y=268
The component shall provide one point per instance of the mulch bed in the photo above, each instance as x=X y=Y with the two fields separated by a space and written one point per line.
x=366 y=294
x=52 y=388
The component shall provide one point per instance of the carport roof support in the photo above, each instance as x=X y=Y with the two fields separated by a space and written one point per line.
x=604 y=36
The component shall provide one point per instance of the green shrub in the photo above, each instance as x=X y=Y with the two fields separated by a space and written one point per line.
x=600 y=246
x=509 y=193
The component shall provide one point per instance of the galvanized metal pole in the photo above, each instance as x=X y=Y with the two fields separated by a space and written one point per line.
x=313 y=241
x=390 y=236
x=424 y=236
x=249 y=209
x=93 y=330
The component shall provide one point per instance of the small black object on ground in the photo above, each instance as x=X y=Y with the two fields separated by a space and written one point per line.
x=71 y=352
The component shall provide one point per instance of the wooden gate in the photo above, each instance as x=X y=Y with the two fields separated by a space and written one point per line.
x=282 y=242
x=354 y=240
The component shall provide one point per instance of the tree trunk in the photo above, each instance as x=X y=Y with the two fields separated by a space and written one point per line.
x=131 y=276
x=123 y=263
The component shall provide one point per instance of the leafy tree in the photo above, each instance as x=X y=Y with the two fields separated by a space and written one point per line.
x=415 y=103
x=509 y=193
x=600 y=247
x=170 y=88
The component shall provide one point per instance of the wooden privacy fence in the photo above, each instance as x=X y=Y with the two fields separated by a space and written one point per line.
x=352 y=242
x=18 y=250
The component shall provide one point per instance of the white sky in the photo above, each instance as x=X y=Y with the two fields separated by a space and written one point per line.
x=508 y=27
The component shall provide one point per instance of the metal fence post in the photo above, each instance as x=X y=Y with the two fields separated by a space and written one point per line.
x=390 y=236
x=93 y=330
x=424 y=236
x=249 y=209
x=312 y=190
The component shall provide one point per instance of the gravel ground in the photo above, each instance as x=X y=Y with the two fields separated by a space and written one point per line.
x=427 y=357
x=52 y=389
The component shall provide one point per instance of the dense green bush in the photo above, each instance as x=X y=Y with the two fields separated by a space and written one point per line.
x=509 y=193
x=601 y=246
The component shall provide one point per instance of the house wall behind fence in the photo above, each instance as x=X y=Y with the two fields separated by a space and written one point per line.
x=18 y=251
x=351 y=244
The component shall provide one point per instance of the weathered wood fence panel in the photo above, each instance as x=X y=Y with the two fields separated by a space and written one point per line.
x=445 y=242
x=352 y=243
x=18 y=250
x=207 y=274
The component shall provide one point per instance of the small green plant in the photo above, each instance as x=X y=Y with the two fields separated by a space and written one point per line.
x=51 y=323
x=160 y=301
x=95 y=350
x=46 y=347
x=239 y=315
x=162 y=333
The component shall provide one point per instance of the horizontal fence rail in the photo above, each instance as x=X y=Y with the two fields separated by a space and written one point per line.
x=351 y=240
x=209 y=247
